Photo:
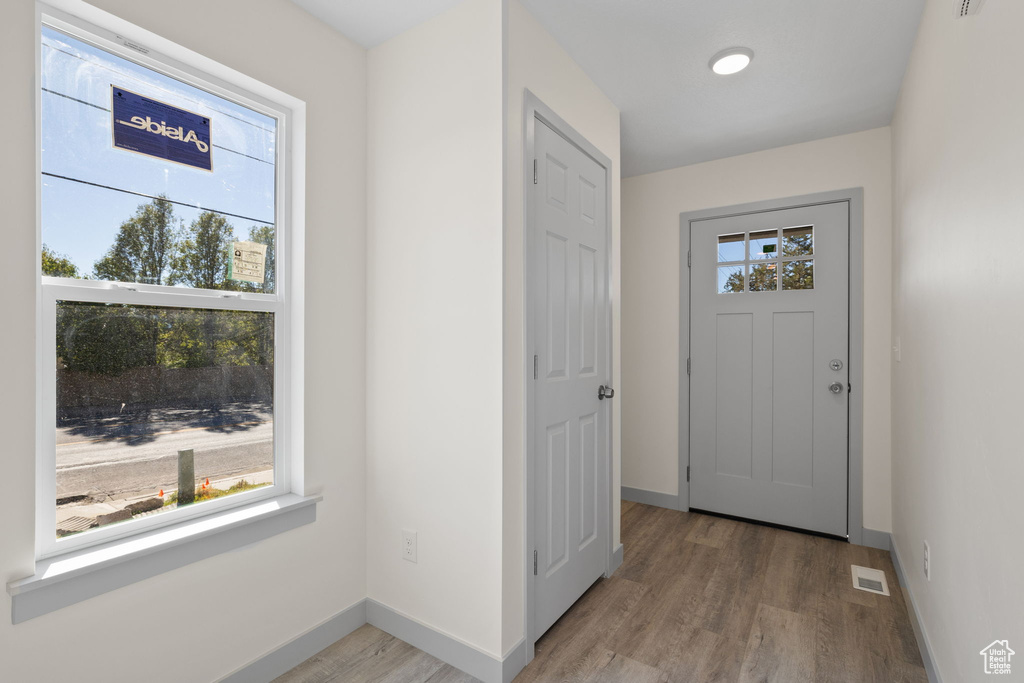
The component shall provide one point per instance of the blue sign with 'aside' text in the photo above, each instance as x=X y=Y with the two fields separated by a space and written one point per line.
x=159 y=130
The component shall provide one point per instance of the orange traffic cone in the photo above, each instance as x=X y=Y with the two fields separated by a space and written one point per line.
x=207 y=482
x=161 y=493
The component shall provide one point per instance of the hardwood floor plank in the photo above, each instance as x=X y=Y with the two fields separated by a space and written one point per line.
x=449 y=674
x=713 y=531
x=724 y=663
x=393 y=659
x=573 y=661
x=662 y=619
x=647 y=526
x=780 y=648
x=363 y=643
x=731 y=599
x=698 y=599
x=797 y=572
x=619 y=669
x=577 y=639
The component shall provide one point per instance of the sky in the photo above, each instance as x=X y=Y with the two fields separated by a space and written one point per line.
x=81 y=221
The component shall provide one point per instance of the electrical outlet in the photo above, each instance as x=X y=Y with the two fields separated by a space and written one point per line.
x=409 y=545
x=927 y=561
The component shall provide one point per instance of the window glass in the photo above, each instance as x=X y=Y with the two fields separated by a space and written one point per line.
x=798 y=274
x=730 y=279
x=764 y=277
x=764 y=245
x=731 y=247
x=163 y=396
x=798 y=241
x=132 y=204
x=137 y=386
x=758 y=255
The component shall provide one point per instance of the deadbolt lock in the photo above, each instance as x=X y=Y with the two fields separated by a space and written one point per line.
x=836 y=364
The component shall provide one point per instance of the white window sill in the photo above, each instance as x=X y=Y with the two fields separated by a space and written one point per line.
x=67 y=579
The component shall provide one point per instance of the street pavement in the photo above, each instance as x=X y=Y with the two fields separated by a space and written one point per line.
x=130 y=453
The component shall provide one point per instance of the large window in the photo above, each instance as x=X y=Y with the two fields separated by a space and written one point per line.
x=164 y=301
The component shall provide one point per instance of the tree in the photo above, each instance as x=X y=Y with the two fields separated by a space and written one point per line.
x=144 y=246
x=203 y=262
x=795 y=275
x=264 y=234
x=798 y=275
x=104 y=338
x=204 y=253
x=762 y=278
x=58 y=265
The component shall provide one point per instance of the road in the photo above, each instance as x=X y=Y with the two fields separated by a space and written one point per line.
x=137 y=452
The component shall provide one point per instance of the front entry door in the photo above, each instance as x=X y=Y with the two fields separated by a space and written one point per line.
x=769 y=340
x=569 y=265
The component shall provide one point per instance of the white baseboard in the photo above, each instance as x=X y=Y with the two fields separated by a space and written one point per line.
x=656 y=498
x=873 y=538
x=289 y=655
x=616 y=560
x=447 y=648
x=923 y=644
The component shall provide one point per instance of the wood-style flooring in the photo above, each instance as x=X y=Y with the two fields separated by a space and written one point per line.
x=698 y=599
x=369 y=654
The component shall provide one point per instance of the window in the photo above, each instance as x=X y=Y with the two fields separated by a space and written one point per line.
x=164 y=289
x=751 y=262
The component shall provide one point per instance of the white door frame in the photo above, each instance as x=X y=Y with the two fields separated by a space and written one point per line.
x=854 y=199
x=534 y=110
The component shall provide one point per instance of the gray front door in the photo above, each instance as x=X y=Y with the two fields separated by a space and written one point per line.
x=571 y=322
x=769 y=340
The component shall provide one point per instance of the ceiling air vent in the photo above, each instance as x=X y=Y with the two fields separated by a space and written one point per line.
x=967 y=8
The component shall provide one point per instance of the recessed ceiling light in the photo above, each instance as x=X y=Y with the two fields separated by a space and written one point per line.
x=731 y=61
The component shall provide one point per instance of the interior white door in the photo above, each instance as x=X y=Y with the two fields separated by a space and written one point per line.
x=571 y=319
x=769 y=340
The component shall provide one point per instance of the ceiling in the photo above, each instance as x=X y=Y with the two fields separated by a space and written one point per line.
x=820 y=68
x=371 y=22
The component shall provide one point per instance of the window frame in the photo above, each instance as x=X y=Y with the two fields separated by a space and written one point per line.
x=286 y=302
x=748 y=261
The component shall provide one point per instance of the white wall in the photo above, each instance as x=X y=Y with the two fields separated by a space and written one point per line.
x=435 y=323
x=536 y=62
x=211 y=617
x=651 y=205
x=958 y=474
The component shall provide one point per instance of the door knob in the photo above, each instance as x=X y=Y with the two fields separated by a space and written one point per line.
x=835 y=388
x=605 y=392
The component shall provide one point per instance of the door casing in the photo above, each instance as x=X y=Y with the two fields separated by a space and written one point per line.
x=854 y=199
x=533 y=110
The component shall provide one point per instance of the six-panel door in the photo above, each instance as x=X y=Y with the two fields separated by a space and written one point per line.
x=571 y=335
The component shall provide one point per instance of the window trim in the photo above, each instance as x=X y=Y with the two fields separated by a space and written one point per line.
x=748 y=262
x=114 y=35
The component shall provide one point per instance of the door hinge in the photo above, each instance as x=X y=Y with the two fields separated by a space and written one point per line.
x=535 y=563
x=687 y=366
x=534 y=171
x=535 y=364
x=687 y=473
x=688 y=261
x=849 y=388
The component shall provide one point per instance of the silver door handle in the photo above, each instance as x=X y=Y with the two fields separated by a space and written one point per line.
x=835 y=388
x=605 y=392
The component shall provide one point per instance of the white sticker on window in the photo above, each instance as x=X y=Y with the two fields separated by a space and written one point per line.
x=248 y=262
